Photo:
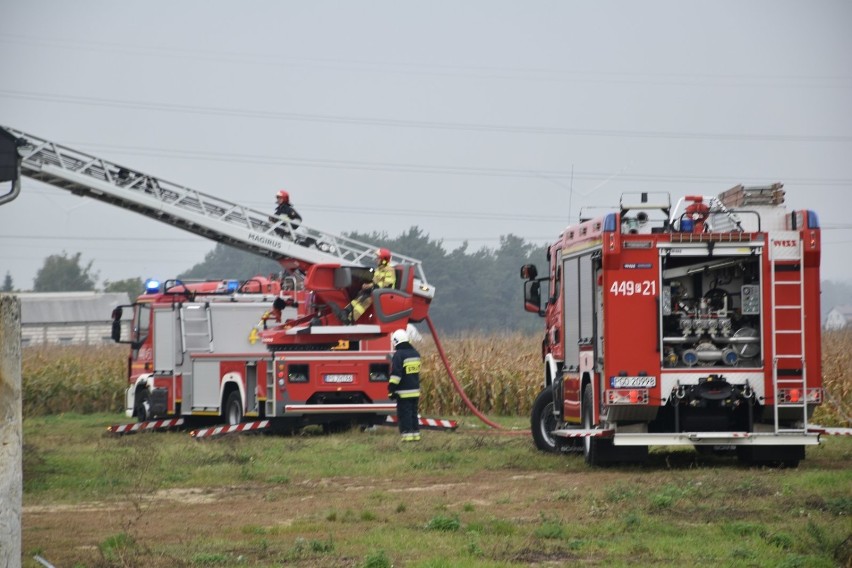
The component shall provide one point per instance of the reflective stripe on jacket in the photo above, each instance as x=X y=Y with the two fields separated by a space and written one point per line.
x=384 y=276
x=405 y=372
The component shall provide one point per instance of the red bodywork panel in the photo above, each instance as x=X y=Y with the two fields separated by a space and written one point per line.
x=334 y=285
x=329 y=374
x=630 y=287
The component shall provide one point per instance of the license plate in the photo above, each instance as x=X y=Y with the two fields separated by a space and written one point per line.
x=339 y=378
x=633 y=382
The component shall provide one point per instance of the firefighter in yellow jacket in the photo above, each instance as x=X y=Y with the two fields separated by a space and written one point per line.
x=384 y=276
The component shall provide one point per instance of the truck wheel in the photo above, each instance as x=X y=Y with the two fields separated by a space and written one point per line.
x=601 y=451
x=543 y=422
x=336 y=426
x=596 y=451
x=233 y=410
x=142 y=405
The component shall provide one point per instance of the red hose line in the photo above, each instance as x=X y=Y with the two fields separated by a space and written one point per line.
x=458 y=386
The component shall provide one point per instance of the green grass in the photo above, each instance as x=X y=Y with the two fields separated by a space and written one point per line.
x=479 y=500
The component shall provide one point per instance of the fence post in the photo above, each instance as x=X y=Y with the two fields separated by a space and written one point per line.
x=11 y=435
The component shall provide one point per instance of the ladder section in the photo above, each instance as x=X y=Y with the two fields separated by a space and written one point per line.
x=191 y=210
x=196 y=328
x=750 y=196
x=722 y=219
x=789 y=365
x=746 y=208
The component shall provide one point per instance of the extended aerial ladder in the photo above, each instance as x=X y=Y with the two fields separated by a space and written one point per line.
x=211 y=217
x=334 y=370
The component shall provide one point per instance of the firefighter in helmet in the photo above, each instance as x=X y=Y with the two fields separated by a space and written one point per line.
x=697 y=212
x=286 y=211
x=384 y=276
x=404 y=385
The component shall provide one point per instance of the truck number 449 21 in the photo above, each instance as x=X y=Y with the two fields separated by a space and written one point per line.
x=631 y=288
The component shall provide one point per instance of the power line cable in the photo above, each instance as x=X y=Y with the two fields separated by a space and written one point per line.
x=399 y=123
x=448 y=170
x=430 y=69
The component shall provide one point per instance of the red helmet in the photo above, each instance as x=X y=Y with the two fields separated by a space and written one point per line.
x=383 y=254
x=283 y=195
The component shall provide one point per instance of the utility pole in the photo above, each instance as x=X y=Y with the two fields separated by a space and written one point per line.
x=11 y=435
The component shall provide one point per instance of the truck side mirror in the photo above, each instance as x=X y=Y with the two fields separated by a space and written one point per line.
x=10 y=164
x=532 y=297
x=116 y=325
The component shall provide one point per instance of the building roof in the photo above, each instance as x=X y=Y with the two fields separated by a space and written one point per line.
x=70 y=307
x=844 y=309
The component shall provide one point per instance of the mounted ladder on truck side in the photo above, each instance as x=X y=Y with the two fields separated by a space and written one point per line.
x=787 y=317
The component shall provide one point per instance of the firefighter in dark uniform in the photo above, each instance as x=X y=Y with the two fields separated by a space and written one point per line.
x=404 y=385
x=285 y=210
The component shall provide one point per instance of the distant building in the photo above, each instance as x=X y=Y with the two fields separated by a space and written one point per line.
x=69 y=317
x=839 y=317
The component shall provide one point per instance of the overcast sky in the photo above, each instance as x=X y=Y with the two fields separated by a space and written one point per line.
x=469 y=119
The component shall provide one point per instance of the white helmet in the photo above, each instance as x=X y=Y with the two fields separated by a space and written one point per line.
x=397 y=337
x=413 y=335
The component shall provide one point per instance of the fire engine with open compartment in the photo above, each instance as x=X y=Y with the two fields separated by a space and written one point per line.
x=696 y=324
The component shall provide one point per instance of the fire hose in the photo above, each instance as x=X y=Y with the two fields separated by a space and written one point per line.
x=458 y=386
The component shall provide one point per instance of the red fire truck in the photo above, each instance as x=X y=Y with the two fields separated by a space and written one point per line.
x=696 y=325
x=205 y=349
x=213 y=350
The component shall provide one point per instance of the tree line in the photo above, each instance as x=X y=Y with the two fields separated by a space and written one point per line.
x=477 y=290
x=65 y=273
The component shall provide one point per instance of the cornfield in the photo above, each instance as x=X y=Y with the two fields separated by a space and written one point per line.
x=73 y=378
x=836 y=409
x=500 y=374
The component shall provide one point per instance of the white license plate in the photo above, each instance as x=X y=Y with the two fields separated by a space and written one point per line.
x=338 y=378
x=632 y=382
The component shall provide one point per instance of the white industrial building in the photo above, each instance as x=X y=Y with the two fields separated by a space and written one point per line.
x=840 y=317
x=70 y=318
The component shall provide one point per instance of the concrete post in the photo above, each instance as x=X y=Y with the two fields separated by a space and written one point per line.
x=11 y=436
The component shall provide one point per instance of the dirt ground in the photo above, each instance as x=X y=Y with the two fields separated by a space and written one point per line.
x=69 y=534
x=261 y=523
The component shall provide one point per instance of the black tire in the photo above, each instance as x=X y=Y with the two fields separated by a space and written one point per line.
x=596 y=451
x=543 y=422
x=232 y=412
x=601 y=451
x=142 y=405
x=337 y=426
